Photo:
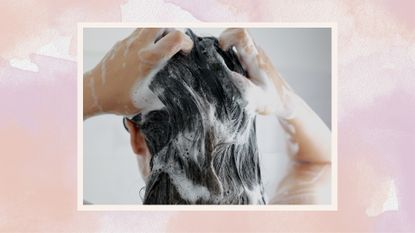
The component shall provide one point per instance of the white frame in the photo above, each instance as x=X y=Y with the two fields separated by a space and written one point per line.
x=130 y=207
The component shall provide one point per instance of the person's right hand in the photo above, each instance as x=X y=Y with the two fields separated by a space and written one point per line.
x=119 y=83
x=264 y=89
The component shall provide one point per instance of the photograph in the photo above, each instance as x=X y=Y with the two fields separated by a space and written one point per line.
x=207 y=116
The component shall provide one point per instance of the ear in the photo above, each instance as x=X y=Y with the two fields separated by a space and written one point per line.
x=136 y=139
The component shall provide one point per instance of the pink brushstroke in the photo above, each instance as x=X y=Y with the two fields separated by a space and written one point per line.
x=30 y=24
x=225 y=10
x=38 y=118
x=404 y=10
x=38 y=155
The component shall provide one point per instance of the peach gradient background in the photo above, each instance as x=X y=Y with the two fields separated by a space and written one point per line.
x=376 y=62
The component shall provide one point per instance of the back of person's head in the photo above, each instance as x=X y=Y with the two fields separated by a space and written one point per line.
x=202 y=141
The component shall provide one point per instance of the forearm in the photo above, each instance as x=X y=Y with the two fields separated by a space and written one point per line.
x=309 y=133
x=304 y=183
x=308 y=178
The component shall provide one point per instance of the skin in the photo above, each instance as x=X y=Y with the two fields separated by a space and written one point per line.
x=140 y=148
x=108 y=86
x=308 y=179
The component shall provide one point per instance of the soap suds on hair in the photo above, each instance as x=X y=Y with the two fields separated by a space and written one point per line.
x=143 y=98
x=199 y=130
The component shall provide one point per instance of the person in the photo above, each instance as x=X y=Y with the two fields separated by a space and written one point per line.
x=118 y=85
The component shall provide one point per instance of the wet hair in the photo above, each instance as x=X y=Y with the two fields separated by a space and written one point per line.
x=203 y=140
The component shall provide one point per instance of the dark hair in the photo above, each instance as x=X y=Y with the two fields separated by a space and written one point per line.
x=203 y=141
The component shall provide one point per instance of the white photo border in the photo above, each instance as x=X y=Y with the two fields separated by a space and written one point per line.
x=131 y=207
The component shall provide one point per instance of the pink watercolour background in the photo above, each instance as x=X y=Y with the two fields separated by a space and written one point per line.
x=376 y=112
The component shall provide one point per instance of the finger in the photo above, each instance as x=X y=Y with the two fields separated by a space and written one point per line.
x=250 y=92
x=136 y=31
x=150 y=35
x=167 y=47
x=248 y=53
x=244 y=45
x=227 y=39
x=144 y=36
x=241 y=82
x=175 y=41
x=240 y=38
x=133 y=36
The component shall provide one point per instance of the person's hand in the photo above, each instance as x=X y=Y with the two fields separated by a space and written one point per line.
x=308 y=179
x=119 y=83
x=264 y=89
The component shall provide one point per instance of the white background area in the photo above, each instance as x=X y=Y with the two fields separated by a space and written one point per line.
x=301 y=55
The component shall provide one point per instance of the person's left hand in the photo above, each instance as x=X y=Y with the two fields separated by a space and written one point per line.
x=264 y=89
x=118 y=83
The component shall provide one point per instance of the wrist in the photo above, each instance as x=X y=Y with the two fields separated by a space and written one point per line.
x=91 y=102
x=288 y=104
